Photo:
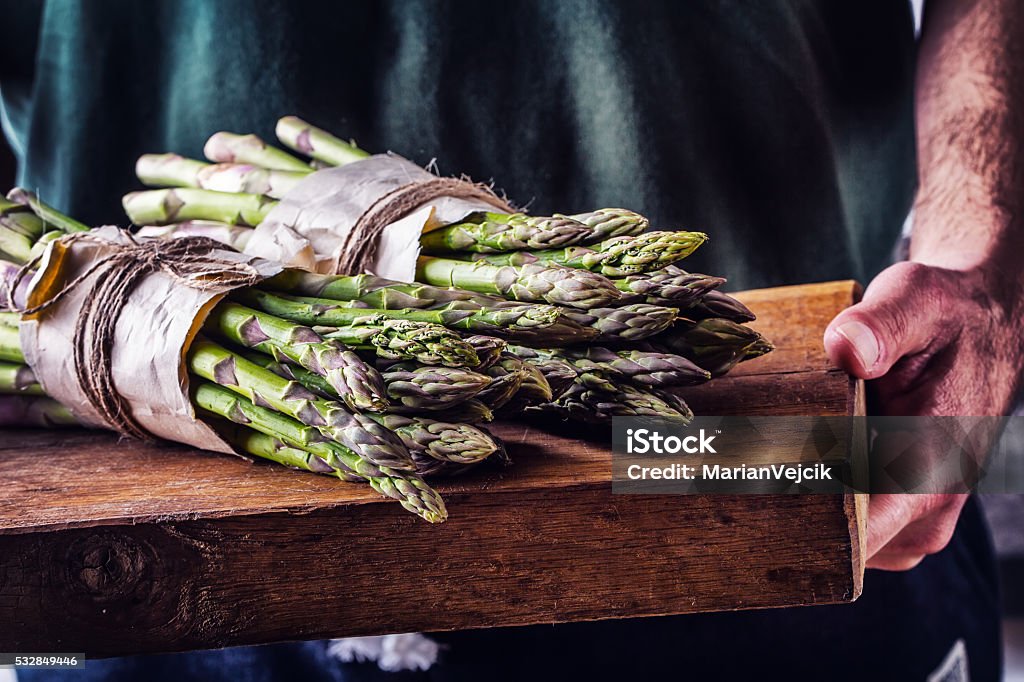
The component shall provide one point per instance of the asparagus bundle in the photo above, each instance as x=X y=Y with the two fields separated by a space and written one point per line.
x=596 y=316
x=299 y=371
x=585 y=316
x=282 y=391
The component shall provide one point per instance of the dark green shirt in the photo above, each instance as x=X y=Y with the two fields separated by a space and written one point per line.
x=782 y=128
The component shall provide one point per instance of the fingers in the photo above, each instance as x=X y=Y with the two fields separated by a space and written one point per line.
x=894 y=561
x=901 y=314
x=903 y=529
x=888 y=514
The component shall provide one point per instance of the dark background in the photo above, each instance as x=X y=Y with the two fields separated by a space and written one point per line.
x=7 y=166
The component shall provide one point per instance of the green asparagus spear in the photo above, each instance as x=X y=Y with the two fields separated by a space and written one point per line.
x=248 y=179
x=627 y=323
x=168 y=170
x=470 y=411
x=507 y=377
x=18 y=411
x=429 y=344
x=428 y=467
x=314 y=382
x=432 y=388
x=616 y=257
x=249 y=441
x=163 y=206
x=643 y=369
x=672 y=397
x=605 y=223
x=714 y=344
x=673 y=289
x=485 y=232
x=231 y=148
x=18 y=379
x=40 y=246
x=755 y=350
x=441 y=441
x=316 y=143
x=52 y=218
x=560 y=374
x=530 y=283
x=488 y=349
x=10 y=345
x=587 y=404
x=718 y=304
x=14 y=246
x=533 y=390
x=372 y=291
x=20 y=219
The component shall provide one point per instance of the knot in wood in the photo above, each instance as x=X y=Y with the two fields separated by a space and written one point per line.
x=110 y=568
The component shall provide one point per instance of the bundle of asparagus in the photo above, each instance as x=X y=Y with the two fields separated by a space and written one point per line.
x=592 y=303
x=584 y=316
x=282 y=391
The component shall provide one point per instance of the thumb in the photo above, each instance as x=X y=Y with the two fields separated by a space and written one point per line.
x=899 y=316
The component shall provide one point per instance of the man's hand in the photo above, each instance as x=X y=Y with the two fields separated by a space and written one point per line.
x=942 y=335
x=934 y=342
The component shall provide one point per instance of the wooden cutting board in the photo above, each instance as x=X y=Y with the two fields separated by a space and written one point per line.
x=111 y=547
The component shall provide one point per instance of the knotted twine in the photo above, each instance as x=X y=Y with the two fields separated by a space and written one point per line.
x=359 y=247
x=188 y=260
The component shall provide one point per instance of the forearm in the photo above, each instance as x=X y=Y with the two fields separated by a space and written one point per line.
x=970 y=129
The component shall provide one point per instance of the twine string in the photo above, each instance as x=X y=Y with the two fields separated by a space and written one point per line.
x=358 y=250
x=111 y=280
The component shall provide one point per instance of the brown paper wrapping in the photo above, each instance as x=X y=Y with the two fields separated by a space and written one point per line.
x=152 y=335
x=307 y=228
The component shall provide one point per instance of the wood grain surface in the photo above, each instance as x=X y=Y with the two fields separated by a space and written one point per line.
x=112 y=547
